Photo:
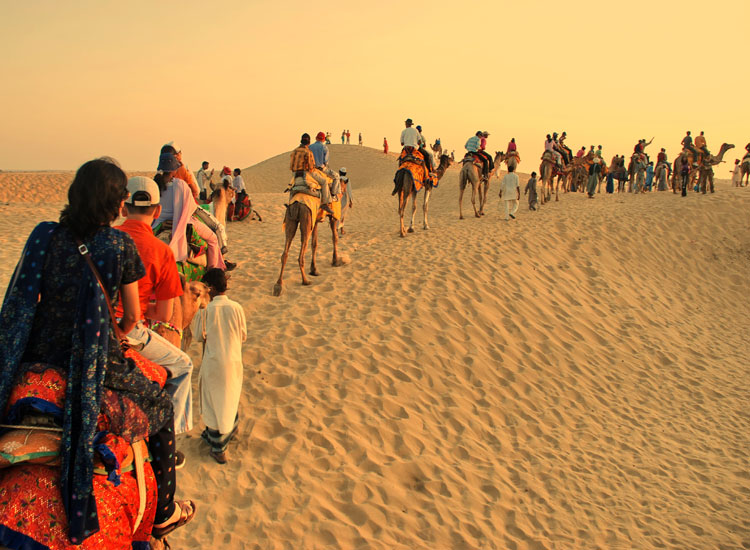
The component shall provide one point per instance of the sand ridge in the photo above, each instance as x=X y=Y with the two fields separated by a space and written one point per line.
x=574 y=379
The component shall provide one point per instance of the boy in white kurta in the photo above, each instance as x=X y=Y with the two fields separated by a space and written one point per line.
x=223 y=328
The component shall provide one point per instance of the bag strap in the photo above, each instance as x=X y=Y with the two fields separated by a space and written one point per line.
x=84 y=251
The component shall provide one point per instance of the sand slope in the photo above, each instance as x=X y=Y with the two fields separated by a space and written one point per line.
x=575 y=379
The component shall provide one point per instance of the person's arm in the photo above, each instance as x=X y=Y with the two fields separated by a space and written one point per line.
x=197 y=326
x=243 y=324
x=161 y=310
x=131 y=308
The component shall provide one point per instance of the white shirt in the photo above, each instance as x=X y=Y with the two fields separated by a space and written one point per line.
x=223 y=328
x=238 y=183
x=410 y=137
x=509 y=186
x=203 y=179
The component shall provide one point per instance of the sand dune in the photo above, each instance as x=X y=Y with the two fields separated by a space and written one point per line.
x=576 y=379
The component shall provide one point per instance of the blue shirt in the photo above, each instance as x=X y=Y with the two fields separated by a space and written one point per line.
x=473 y=144
x=320 y=153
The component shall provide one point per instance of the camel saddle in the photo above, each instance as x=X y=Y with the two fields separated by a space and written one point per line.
x=473 y=158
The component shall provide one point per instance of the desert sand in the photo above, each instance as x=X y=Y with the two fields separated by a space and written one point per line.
x=576 y=379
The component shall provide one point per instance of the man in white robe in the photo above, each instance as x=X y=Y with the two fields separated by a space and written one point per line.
x=223 y=328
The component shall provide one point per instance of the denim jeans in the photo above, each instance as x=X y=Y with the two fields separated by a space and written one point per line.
x=179 y=385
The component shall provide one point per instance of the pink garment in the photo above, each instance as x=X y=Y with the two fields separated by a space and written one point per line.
x=183 y=209
x=511 y=146
x=184 y=206
x=579 y=154
x=482 y=143
x=213 y=254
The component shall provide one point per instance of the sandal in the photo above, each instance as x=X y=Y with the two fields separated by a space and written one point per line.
x=187 y=511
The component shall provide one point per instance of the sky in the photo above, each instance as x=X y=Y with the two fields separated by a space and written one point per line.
x=236 y=82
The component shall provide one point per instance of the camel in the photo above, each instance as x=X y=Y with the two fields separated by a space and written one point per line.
x=299 y=214
x=702 y=173
x=194 y=297
x=547 y=174
x=745 y=169
x=437 y=149
x=510 y=159
x=221 y=197
x=406 y=189
x=471 y=173
x=660 y=176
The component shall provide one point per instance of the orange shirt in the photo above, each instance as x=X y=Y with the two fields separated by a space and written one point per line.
x=161 y=280
x=187 y=176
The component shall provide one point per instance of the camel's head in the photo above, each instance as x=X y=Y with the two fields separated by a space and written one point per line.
x=197 y=292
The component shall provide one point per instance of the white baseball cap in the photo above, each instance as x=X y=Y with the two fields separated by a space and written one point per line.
x=143 y=191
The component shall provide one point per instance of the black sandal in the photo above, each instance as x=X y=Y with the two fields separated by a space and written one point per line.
x=187 y=512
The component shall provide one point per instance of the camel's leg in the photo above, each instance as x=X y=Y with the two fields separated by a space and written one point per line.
x=414 y=196
x=460 y=201
x=426 y=204
x=314 y=249
x=557 y=190
x=402 y=198
x=306 y=228
x=473 y=198
x=290 y=230
x=335 y=231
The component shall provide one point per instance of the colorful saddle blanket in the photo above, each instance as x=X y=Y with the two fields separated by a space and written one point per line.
x=31 y=507
x=413 y=161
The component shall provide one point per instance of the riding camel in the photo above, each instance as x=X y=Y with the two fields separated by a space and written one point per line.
x=405 y=189
x=471 y=173
x=547 y=171
x=299 y=214
x=703 y=172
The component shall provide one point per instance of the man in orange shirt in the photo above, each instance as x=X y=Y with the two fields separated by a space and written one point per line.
x=163 y=282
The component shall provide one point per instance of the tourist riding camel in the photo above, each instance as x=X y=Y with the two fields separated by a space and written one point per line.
x=60 y=343
x=308 y=179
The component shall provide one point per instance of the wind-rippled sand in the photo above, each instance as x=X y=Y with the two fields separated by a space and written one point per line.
x=576 y=379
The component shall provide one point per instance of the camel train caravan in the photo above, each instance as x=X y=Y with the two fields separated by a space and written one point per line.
x=411 y=177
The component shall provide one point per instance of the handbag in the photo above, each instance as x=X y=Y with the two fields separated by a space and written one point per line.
x=119 y=334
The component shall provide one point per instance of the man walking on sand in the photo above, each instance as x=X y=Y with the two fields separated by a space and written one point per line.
x=510 y=192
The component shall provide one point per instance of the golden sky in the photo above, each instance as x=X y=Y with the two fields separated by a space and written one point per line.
x=236 y=82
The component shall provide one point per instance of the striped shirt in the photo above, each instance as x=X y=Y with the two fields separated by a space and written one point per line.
x=302 y=159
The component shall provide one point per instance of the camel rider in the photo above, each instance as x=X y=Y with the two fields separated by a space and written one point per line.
x=483 y=150
x=700 y=143
x=511 y=146
x=549 y=145
x=302 y=164
x=747 y=154
x=423 y=149
x=687 y=143
x=567 y=153
x=473 y=146
x=321 y=155
x=187 y=176
x=662 y=158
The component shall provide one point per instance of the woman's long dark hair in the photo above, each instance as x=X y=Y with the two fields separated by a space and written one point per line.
x=94 y=197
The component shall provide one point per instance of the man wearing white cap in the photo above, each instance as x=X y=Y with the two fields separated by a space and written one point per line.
x=163 y=282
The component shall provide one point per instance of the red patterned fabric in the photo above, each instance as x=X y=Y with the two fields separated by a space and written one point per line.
x=30 y=504
x=30 y=501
